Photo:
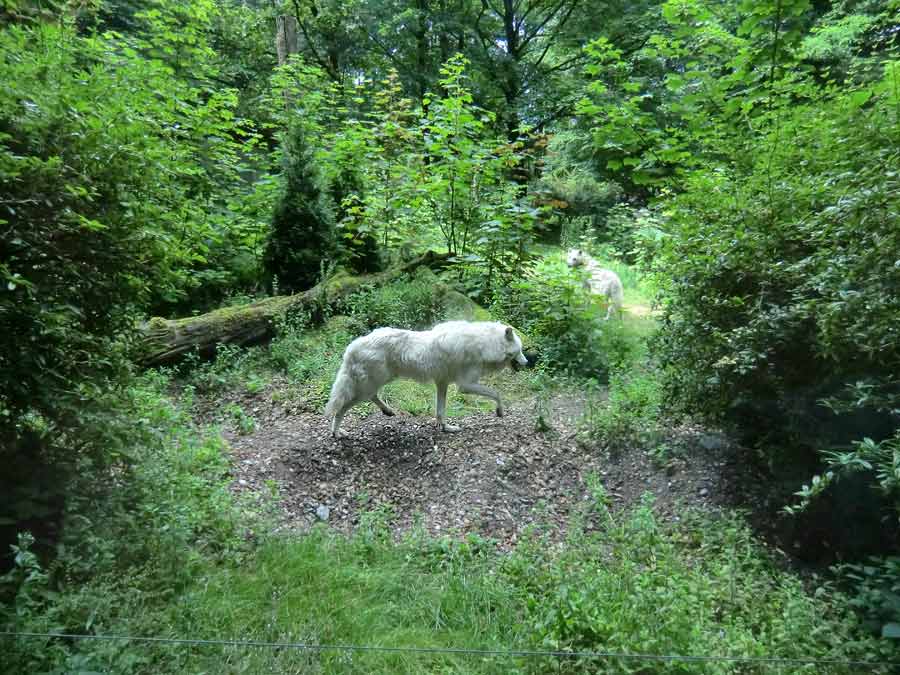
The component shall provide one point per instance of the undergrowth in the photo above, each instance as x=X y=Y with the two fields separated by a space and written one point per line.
x=627 y=584
x=164 y=519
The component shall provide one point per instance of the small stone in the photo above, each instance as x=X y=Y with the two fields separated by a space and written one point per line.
x=712 y=441
x=323 y=512
x=704 y=492
x=242 y=482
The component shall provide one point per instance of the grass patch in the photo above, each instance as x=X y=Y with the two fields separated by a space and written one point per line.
x=702 y=587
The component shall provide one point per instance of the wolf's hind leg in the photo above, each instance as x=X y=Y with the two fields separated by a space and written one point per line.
x=384 y=407
x=442 y=407
x=481 y=390
x=336 y=431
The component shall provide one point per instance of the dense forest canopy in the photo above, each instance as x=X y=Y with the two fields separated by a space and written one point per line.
x=739 y=161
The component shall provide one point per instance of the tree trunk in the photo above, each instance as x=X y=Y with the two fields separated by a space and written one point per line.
x=285 y=37
x=166 y=341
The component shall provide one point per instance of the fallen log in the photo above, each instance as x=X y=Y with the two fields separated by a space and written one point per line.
x=166 y=341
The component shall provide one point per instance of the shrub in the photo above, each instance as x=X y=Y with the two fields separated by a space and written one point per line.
x=312 y=357
x=874 y=590
x=357 y=239
x=102 y=211
x=701 y=587
x=415 y=304
x=163 y=518
x=779 y=283
x=631 y=411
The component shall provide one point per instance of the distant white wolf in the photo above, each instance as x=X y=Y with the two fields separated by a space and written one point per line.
x=601 y=281
x=454 y=351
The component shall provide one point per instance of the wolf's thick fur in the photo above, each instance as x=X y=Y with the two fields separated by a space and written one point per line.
x=601 y=281
x=455 y=351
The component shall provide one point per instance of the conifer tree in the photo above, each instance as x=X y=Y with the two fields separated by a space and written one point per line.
x=302 y=233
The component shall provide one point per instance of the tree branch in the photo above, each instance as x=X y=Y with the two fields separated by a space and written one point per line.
x=550 y=15
x=323 y=63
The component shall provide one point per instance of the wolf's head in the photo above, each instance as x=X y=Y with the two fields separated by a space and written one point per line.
x=575 y=257
x=513 y=350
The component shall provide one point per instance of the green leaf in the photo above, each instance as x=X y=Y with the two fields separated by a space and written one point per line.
x=859 y=98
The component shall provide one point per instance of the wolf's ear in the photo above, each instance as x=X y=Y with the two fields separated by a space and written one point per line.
x=509 y=333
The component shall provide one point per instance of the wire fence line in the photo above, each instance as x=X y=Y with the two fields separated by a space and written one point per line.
x=461 y=651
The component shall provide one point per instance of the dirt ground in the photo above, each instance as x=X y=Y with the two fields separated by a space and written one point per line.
x=494 y=477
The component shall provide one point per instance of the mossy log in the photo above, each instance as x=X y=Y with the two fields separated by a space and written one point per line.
x=165 y=341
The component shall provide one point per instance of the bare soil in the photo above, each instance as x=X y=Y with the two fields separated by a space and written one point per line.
x=495 y=477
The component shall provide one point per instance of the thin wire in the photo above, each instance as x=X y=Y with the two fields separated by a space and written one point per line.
x=512 y=653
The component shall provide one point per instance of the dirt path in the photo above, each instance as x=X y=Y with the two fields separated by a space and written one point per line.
x=495 y=477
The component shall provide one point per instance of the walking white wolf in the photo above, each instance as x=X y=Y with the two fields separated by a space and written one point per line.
x=454 y=351
x=601 y=281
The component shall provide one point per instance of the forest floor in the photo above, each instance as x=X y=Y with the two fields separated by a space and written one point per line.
x=496 y=477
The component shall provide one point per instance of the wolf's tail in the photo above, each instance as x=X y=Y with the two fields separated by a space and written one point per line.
x=341 y=392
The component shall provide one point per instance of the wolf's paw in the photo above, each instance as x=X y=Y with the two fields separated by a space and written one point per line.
x=339 y=434
x=500 y=411
x=390 y=412
x=449 y=428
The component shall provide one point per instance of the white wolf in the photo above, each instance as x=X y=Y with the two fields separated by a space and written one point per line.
x=454 y=351
x=601 y=281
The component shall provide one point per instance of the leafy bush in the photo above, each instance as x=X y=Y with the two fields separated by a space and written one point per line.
x=103 y=212
x=415 y=304
x=874 y=590
x=355 y=235
x=232 y=366
x=311 y=357
x=702 y=587
x=162 y=517
x=778 y=281
x=777 y=256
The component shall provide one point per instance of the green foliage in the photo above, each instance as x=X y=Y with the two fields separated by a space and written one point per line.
x=104 y=211
x=415 y=304
x=777 y=257
x=357 y=238
x=701 y=588
x=302 y=234
x=437 y=175
x=481 y=218
x=776 y=249
x=162 y=518
x=232 y=367
x=312 y=357
x=575 y=193
x=244 y=423
x=874 y=590
x=631 y=413
x=796 y=297
x=696 y=589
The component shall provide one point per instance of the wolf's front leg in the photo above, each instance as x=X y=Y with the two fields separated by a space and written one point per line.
x=481 y=390
x=441 y=407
